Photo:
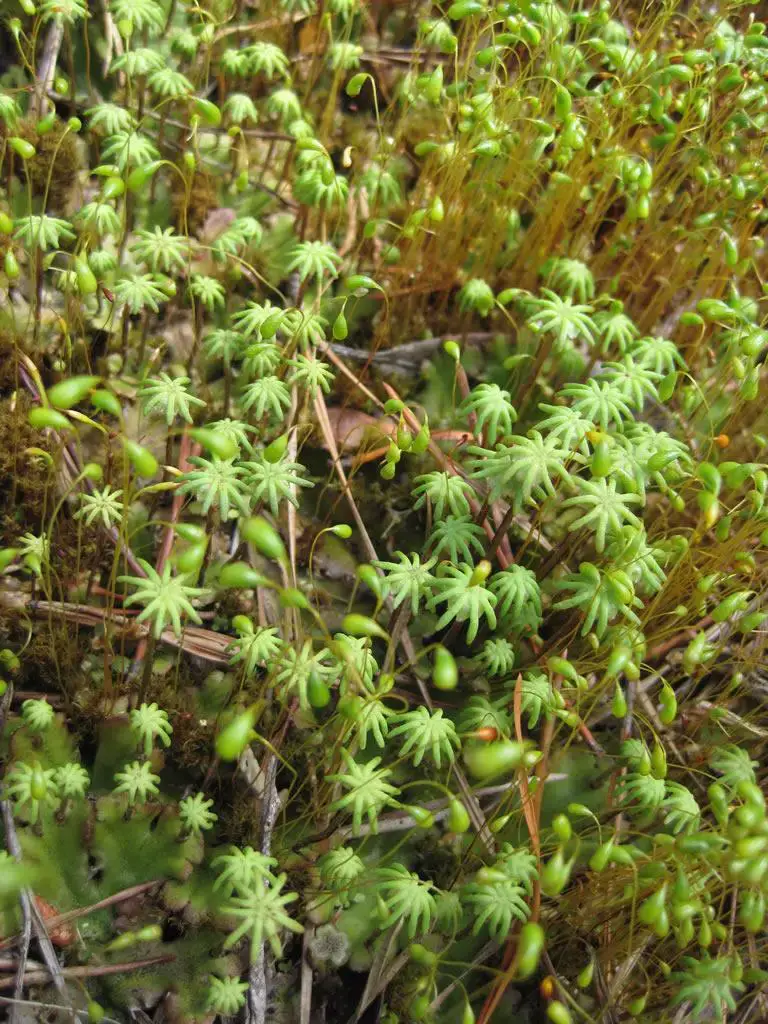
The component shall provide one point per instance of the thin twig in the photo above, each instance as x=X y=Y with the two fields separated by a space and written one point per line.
x=374 y=983
x=201 y=643
x=484 y=954
x=34 y=1004
x=256 y=1006
x=46 y=70
x=305 y=1001
x=410 y=354
x=96 y=971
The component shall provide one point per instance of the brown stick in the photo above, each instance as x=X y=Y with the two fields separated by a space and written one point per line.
x=202 y=643
x=99 y=971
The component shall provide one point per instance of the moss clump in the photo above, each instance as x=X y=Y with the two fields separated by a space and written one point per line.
x=53 y=170
x=192 y=208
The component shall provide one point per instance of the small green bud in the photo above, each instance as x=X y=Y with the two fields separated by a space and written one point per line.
x=142 y=460
x=106 y=401
x=561 y=826
x=579 y=811
x=11 y=265
x=42 y=418
x=235 y=737
x=139 y=176
x=190 y=561
x=96 y=1012
x=487 y=760
x=667 y=704
x=421 y=955
x=619 y=661
x=264 y=537
x=600 y=464
x=356 y=83
x=584 y=978
x=555 y=873
x=445 y=672
x=368 y=575
x=404 y=438
x=420 y=443
x=530 y=946
x=602 y=855
x=500 y=822
x=45 y=124
x=710 y=507
x=113 y=188
x=7 y=555
x=619 y=703
x=318 y=692
x=487 y=147
x=393 y=453
x=361 y=283
x=652 y=908
x=480 y=573
x=86 y=279
x=386 y=682
x=731 y=605
x=691 y=319
x=291 y=597
x=194 y=534
x=23 y=148
x=276 y=449
x=69 y=392
x=659 y=761
x=240 y=575
x=340 y=329
x=219 y=444
x=362 y=625
x=710 y=477
x=150 y=933
x=423 y=817
x=419 y=1007
x=667 y=386
x=558 y=1013
x=563 y=101
x=208 y=111
x=458 y=816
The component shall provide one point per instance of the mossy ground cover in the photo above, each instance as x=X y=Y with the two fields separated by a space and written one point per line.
x=382 y=511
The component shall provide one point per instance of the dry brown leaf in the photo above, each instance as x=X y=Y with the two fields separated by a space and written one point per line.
x=353 y=428
x=61 y=935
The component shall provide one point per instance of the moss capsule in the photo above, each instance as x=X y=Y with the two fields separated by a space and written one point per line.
x=445 y=672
